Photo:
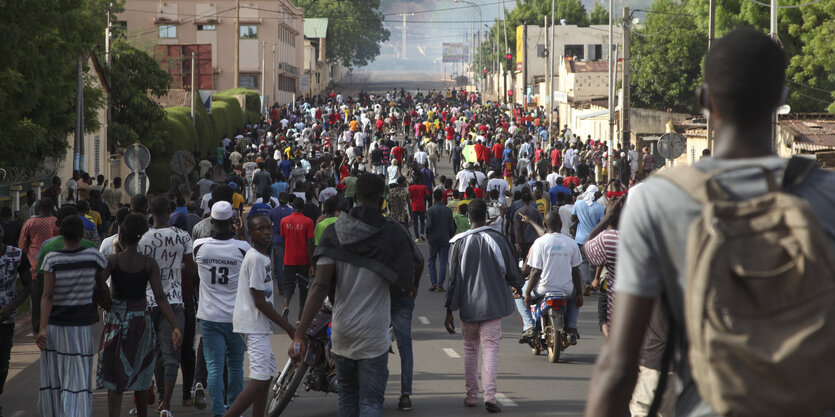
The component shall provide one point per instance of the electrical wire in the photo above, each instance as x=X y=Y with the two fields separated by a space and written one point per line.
x=680 y=9
x=791 y=6
x=810 y=87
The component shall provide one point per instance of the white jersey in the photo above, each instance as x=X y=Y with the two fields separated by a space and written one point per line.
x=256 y=274
x=218 y=265
x=168 y=246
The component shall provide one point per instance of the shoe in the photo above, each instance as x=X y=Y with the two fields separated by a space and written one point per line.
x=199 y=396
x=433 y=287
x=166 y=413
x=188 y=402
x=440 y=289
x=133 y=412
x=285 y=314
x=492 y=407
x=587 y=291
x=417 y=240
x=526 y=336
x=468 y=403
x=405 y=403
x=159 y=409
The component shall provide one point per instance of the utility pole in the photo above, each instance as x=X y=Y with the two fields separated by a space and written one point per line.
x=547 y=68
x=624 y=108
x=773 y=34
x=711 y=27
x=274 y=86
x=552 y=127
x=507 y=50
x=77 y=150
x=237 y=66
x=404 y=36
x=612 y=63
x=193 y=86
x=524 y=66
x=107 y=57
x=263 y=75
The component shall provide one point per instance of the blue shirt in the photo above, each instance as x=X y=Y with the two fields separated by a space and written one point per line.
x=588 y=216
x=285 y=166
x=555 y=191
x=276 y=214
x=279 y=187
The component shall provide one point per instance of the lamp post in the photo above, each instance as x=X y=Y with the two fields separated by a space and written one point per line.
x=480 y=22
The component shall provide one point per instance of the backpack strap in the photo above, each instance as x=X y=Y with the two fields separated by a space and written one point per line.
x=796 y=171
x=695 y=182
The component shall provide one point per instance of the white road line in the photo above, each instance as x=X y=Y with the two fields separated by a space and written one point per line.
x=423 y=320
x=507 y=402
x=451 y=352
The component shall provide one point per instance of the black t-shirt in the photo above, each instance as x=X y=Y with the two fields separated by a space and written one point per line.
x=376 y=157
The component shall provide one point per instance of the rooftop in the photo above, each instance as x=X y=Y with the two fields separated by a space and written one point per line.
x=175 y=97
x=815 y=131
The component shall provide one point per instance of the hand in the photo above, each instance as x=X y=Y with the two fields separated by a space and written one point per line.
x=578 y=301
x=449 y=323
x=40 y=339
x=414 y=293
x=528 y=300
x=524 y=218
x=177 y=338
x=518 y=248
x=311 y=273
x=595 y=283
x=605 y=329
x=297 y=350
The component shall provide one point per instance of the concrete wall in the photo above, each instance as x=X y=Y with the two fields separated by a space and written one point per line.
x=144 y=17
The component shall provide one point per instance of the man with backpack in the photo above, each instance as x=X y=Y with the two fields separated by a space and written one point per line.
x=754 y=334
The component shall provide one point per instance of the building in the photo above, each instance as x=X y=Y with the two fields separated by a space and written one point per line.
x=175 y=28
x=319 y=74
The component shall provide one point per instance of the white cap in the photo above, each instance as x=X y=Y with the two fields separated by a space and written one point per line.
x=222 y=210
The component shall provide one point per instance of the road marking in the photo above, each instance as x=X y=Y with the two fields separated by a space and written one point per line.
x=423 y=320
x=451 y=352
x=507 y=402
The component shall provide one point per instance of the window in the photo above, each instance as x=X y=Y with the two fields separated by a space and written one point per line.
x=167 y=31
x=248 y=81
x=575 y=51
x=249 y=32
x=206 y=27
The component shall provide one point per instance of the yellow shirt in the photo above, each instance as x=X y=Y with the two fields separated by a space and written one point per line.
x=542 y=206
x=237 y=200
x=94 y=217
x=354 y=125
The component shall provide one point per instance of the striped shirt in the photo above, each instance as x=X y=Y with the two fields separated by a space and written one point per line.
x=602 y=250
x=75 y=277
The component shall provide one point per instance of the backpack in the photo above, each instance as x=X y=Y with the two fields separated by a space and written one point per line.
x=760 y=323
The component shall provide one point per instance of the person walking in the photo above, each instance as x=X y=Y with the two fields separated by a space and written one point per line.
x=73 y=279
x=418 y=192
x=219 y=259
x=13 y=264
x=483 y=263
x=34 y=233
x=298 y=233
x=440 y=228
x=128 y=337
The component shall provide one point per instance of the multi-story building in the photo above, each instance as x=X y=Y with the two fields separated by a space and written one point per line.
x=173 y=29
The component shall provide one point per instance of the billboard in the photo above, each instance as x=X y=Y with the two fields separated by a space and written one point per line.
x=456 y=52
x=520 y=47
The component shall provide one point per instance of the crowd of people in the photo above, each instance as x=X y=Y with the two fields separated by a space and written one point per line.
x=329 y=198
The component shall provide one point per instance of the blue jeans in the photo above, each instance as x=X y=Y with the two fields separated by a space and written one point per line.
x=572 y=312
x=362 y=385
x=401 y=319
x=278 y=263
x=419 y=216
x=443 y=253
x=222 y=346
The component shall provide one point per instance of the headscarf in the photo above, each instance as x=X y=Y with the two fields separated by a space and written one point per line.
x=588 y=195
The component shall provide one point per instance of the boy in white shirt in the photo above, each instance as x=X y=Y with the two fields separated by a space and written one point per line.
x=252 y=316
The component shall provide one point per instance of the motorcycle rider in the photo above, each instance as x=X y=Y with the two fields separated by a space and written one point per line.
x=554 y=259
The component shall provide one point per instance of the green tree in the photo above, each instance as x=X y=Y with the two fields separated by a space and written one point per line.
x=42 y=42
x=355 y=29
x=133 y=74
x=599 y=15
x=811 y=72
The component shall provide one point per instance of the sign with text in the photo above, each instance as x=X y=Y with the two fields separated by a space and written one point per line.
x=456 y=52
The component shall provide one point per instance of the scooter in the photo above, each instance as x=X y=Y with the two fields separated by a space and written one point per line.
x=550 y=330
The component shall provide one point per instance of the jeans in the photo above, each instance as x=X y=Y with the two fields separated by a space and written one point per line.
x=362 y=385
x=35 y=294
x=168 y=357
x=572 y=312
x=278 y=264
x=419 y=216
x=585 y=268
x=485 y=334
x=525 y=311
x=187 y=354
x=401 y=319
x=222 y=346
x=6 y=342
x=441 y=252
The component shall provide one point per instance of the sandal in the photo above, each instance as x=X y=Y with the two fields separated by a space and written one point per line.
x=492 y=407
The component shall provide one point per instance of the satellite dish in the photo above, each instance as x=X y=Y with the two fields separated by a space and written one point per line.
x=784 y=109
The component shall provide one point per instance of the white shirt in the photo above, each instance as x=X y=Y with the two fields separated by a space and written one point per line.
x=498 y=184
x=204 y=203
x=421 y=157
x=326 y=194
x=552 y=179
x=555 y=254
x=168 y=246
x=565 y=216
x=218 y=265
x=359 y=139
x=256 y=274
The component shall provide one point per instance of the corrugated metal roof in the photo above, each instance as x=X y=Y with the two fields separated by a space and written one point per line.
x=315 y=27
x=813 y=133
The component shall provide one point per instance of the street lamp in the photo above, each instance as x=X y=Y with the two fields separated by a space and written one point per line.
x=480 y=21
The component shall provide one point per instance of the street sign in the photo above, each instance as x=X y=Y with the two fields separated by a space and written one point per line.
x=510 y=92
x=137 y=183
x=183 y=163
x=206 y=98
x=671 y=145
x=137 y=157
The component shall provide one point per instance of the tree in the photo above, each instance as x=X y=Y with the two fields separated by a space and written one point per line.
x=133 y=113
x=812 y=71
x=42 y=42
x=599 y=15
x=355 y=29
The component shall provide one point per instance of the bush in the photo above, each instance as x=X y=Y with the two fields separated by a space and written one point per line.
x=207 y=137
x=253 y=99
x=221 y=119
x=173 y=133
x=236 y=114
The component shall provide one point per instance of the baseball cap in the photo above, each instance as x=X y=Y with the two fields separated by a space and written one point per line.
x=340 y=187
x=260 y=209
x=222 y=210
x=233 y=185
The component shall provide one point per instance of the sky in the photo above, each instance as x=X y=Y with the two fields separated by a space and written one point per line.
x=430 y=23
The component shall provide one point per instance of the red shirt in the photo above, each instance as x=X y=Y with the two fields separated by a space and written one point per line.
x=397 y=153
x=478 y=193
x=418 y=193
x=555 y=157
x=450 y=132
x=379 y=123
x=498 y=151
x=448 y=196
x=574 y=180
x=481 y=152
x=296 y=229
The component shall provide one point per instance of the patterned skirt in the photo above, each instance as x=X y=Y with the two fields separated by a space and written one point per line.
x=126 y=352
x=66 y=372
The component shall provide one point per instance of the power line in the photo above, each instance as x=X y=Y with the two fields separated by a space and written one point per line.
x=791 y=6
x=811 y=97
x=810 y=87
x=680 y=9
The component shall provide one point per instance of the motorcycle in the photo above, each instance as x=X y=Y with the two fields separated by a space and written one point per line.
x=550 y=329
x=317 y=370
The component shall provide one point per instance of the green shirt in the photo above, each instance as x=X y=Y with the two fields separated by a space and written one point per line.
x=57 y=243
x=320 y=228
x=462 y=223
x=350 y=186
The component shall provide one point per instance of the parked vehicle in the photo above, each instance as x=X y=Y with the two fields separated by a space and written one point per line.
x=550 y=330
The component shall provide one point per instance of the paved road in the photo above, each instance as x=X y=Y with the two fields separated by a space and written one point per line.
x=382 y=81
x=528 y=385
